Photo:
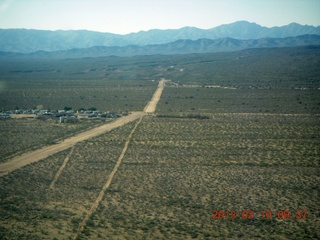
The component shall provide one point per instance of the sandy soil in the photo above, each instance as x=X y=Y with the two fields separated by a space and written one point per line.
x=151 y=106
x=30 y=157
x=23 y=115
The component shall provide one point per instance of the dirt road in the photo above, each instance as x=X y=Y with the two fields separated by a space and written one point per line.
x=34 y=156
x=108 y=182
x=151 y=106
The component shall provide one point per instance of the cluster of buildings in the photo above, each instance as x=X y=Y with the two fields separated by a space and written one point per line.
x=62 y=115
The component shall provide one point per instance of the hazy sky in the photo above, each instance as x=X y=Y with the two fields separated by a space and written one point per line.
x=125 y=16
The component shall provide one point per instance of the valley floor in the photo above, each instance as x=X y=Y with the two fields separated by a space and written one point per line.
x=163 y=177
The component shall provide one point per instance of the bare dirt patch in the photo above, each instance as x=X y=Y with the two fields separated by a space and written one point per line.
x=23 y=115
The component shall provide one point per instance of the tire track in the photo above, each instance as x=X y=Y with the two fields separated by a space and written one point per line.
x=61 y=168
x=107 y=184
x=150 y=108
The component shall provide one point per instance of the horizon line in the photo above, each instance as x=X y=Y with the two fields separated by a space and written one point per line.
x=154 y=29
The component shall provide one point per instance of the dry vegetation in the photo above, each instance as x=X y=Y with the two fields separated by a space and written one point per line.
x=114 y=84
x=21 y=135
x=30 y=209
x=255 y=147
x=177 y=171
x=104 y=95
x=201 y=100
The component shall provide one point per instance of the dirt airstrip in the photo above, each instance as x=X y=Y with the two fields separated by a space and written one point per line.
x=42 y=153
x=34 y=156
x=151 y=106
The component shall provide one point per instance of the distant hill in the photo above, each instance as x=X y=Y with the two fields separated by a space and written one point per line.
x=27 y=41
x=177 y=47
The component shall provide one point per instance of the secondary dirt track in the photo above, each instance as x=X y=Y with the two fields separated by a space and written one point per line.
x=61 y=168
x=108 y=182
x=34 y=156
x=150 y=108
x=42 y=153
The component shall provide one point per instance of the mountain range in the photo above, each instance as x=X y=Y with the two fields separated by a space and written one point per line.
x=176 y=47
x=246 y=33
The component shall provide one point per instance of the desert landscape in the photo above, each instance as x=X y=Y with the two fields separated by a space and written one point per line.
x=200 y=155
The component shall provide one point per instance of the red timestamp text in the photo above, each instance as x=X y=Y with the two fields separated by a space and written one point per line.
x=263 y=214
